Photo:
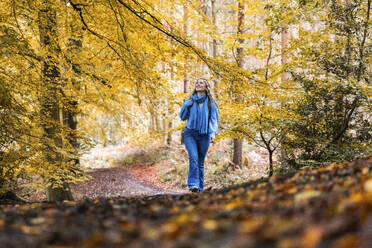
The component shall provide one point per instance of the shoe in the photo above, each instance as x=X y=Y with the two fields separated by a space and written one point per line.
x=194 y=189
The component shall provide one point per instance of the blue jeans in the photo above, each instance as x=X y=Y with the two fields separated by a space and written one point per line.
x=197 y=146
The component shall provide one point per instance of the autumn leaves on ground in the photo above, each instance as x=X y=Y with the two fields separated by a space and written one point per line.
x=326 y=207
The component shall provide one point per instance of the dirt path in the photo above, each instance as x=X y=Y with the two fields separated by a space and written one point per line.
x=116 y=181
x=136 y=180
x=110 y=181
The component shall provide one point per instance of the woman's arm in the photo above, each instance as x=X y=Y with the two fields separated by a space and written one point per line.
x=214 y=121
x=185 y=110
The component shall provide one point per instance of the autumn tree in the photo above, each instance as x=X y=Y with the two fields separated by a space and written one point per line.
x=334 y=72
x=52 y=104
x=19 y=139
x=238 y=143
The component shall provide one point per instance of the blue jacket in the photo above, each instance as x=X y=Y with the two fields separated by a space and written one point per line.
x=214 y=116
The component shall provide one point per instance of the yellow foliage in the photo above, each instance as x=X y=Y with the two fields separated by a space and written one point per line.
x=118 y=69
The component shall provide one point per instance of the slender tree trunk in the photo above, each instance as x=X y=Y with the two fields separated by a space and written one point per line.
x=214 y=42
x=185 y=79
x=157 y=122
x=214 y=21
x=271 y=170
x=284 y=59
x=152 y=125
x=203 y=42
x=51 y=99
x=170 y=109
x=284 y=77
x=238 y=143
x=169 y=136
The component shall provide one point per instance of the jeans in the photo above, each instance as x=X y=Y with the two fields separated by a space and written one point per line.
x=197 y=147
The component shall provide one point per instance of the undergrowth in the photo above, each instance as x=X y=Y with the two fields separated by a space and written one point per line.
x=218 y=169
x=173 y=163
x=144 y=155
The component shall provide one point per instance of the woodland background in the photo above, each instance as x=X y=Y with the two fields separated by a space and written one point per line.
x=292 y=77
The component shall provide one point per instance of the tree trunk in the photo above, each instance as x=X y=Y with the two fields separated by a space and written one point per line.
x=185 y=80
x=75 y=44
x=214 y=21
x=169 y=135
x=271 y=169
x=214 y=42
x=238 y=153
x=51 y=99
x=284 y=78
x=238 y=143
x=152 y=121
x=284 y=41
x=170 y=110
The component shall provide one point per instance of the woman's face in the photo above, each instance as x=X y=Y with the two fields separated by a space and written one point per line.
x=200 y=85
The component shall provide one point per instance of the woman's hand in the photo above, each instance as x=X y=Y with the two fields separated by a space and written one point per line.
x=190 y=102
x=212 y=140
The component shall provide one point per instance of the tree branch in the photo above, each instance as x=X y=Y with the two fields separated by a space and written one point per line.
x=345 y=124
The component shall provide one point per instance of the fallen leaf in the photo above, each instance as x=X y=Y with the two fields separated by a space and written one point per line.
x=210 y=225
x=312 y=237
x=303 y=196
x=368 y=185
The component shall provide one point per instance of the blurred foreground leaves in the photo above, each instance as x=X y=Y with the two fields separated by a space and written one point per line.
x=326 y=207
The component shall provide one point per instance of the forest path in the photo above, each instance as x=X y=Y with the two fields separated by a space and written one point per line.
x=118 y=181
x=108 y=179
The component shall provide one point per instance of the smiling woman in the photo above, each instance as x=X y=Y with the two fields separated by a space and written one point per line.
x=201 y=111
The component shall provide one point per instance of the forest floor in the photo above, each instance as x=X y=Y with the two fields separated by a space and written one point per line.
x=128 y=171
x=107 y=181
x=330 y=206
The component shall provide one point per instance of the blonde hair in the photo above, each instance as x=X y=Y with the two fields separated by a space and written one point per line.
x=208 y=90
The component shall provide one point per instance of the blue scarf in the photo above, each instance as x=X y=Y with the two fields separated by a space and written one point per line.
x=198 y=118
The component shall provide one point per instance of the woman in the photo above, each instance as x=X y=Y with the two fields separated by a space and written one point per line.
x=201 y=113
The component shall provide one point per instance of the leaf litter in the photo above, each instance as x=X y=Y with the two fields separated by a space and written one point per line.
x=326 y=207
